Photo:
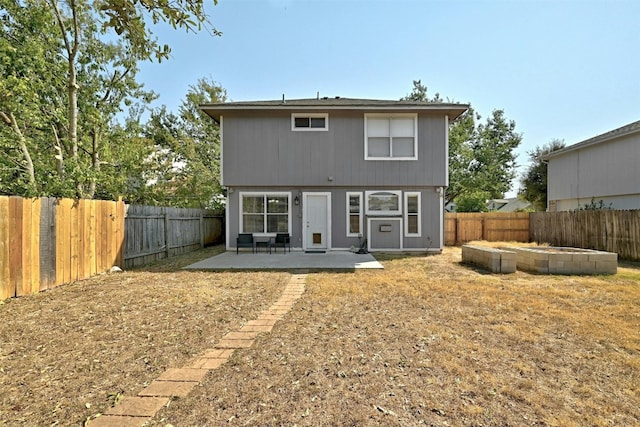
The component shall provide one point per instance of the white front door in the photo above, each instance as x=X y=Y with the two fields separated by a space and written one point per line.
x=316 y=221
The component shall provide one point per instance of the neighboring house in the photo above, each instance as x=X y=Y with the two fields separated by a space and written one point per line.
x=603 y=168
x=333 y=172
x=507 y=205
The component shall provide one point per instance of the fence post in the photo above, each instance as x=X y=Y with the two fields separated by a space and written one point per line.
x=201 y=230
x=166 y=232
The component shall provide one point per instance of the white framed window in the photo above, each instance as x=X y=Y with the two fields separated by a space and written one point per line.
x=265 y=213
x=383 y=203
x=354 y=214
x=309 y=121
x=391 y=137
x=412 y=217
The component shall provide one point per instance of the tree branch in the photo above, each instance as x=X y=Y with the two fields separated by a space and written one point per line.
x=10 y=120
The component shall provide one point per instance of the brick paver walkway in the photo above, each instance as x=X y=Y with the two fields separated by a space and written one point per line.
x=134 y=411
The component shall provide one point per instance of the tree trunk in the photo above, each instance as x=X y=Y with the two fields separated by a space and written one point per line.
x=95 y=161
x=10 y=120
x=71 y=46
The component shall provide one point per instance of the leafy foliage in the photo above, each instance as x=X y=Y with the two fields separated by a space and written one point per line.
x=186 y=158
x=594 y=205
x=482 y=158
x=419 y=94
x=67 y=80
x=533 y=183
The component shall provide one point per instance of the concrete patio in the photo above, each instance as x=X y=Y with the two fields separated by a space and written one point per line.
x=332 y=260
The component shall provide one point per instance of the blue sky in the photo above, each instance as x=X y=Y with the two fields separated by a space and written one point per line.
x=563 y=69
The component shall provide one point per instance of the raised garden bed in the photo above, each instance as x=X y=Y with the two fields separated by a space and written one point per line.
x=493 y=259
x=561 y=260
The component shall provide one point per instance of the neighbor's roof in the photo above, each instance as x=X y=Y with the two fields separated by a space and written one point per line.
x=629 y=129
x=510 y=205
x=335 y=104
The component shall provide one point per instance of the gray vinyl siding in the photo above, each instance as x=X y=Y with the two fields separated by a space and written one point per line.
x=607 y=171
x=431 y=216
x=262 y=149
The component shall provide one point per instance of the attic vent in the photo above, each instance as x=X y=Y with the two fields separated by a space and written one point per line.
x=337 y=97
x=325 y=97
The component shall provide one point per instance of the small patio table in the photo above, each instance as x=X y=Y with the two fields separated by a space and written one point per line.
x=266 y=244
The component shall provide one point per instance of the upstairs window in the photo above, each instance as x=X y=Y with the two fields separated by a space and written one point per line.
x=391 y=137
x=309 y=122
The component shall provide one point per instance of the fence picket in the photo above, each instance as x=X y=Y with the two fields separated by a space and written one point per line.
x=491 y=226
x=7 y=289
x=34 y=245
x=47 y=243
x=15 y=244
x=611 y=231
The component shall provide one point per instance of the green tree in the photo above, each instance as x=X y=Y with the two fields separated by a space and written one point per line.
x=533 y=183
x=482 y=158
x=494 y=157
x=30 y=70
x=419 y=94
x=64 y=81
x=473 y=202
x=187 y=154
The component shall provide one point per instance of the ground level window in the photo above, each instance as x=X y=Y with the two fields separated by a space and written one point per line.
x=383 y=203
x=264 y=212
x=354 y=214
x=412 y=226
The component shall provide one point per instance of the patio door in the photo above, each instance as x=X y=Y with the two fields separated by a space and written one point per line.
x=316 y=221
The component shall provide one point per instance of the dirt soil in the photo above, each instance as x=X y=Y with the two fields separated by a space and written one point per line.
x=427 y=341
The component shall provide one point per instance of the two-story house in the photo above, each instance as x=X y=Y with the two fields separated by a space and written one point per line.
x=333 y=172
x=605 y=168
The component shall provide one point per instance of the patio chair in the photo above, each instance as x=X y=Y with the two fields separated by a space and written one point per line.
x=245 y=240
x=283 y=240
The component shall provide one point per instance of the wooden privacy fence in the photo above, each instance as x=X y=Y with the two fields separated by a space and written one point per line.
x=47 y=242
x=153 y=233
x=605 y=230
x=491 y=226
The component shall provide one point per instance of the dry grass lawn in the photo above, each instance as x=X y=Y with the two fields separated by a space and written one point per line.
x=427 y=341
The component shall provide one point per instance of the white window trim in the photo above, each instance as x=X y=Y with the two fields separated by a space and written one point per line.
x=383 y=213
x=360 y=214
x=414 y=116
x=221 y=133
x=408 y=194
x=263 y=193
x=311 y=116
